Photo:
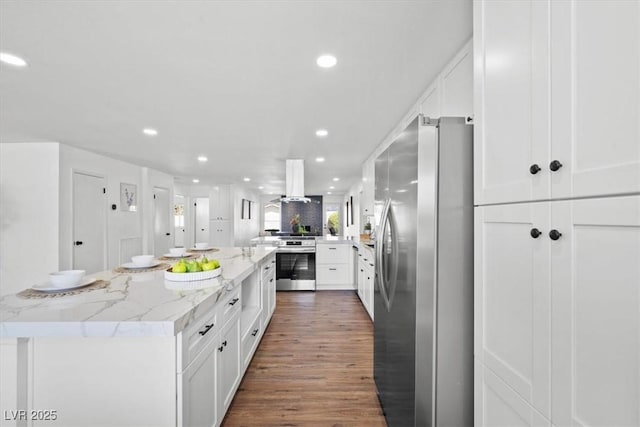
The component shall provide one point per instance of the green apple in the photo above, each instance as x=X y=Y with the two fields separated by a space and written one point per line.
x=204 y=260
x=215 y=261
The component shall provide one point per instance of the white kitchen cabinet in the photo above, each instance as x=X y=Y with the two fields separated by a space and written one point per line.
x=229 y=364
x=595 y=284
x=366 y=277
x=199 y=400
x=220 y=202
x=511 y=105
x=334 y=266
x=496 y=404
x=368 y=182
x=220 y=233
x=268 y=281
x=557 y=316
x=512 y=298
x=595 y=100
x=556 y=99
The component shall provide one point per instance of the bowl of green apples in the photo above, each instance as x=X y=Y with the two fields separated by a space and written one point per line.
x=195 y=269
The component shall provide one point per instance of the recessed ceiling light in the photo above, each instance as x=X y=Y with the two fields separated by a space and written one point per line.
x=328 y=192
x=10 y=59
x=261 y=188
x=149 y=131
x=415 y=181
x=202 y=158
x=319 y=159
x=322 y=133
x=336 y=179
x=326 y=61
x=246 y=179
x=332 y=187
x=195 y=181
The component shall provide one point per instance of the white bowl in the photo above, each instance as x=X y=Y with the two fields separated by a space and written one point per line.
x=177 y=251
x=142 y=260
x=202 y=245
x=66 y=278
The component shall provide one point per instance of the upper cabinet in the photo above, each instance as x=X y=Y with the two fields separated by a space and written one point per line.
x=543 y=130
x=220 y=202
x=595 y=97
x=368 y=183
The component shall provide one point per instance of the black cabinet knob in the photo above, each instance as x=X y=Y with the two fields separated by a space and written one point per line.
x=555 y=165
x=535 y=233
x=534 y=169
x=555 y=234
x=168 y=234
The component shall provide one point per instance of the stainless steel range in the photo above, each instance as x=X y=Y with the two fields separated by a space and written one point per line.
x=296 y=264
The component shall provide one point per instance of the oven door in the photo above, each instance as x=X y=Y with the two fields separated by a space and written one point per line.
x=295 y=271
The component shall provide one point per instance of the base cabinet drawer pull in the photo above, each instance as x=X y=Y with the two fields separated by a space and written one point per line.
x=332 y=269
x=255 y=332
x=333 y=249
x=234 y=301
x=221 y=349
x=271 y=280
x=224 y=343
x=206 y=329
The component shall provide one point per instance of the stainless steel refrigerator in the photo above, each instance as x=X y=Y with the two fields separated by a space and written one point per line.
x=423 y=303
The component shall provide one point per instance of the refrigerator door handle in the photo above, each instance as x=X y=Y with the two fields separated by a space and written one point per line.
x=379 y=253
x=390 y=287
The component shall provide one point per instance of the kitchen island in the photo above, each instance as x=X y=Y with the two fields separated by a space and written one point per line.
x=142 y=351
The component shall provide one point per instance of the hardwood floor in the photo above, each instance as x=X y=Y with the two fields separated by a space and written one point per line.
x=314 y=366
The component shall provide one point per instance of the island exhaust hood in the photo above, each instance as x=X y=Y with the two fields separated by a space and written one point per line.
x=295 y=182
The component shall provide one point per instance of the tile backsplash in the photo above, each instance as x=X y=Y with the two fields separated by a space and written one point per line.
x=310 y=215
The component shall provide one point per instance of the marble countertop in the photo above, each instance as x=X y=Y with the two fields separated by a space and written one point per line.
x=134 y=304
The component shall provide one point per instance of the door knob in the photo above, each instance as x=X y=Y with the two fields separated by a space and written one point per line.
x=555 y=165
x=555 y=234
x=535 y=233
x=534 y=169
x=77 y=243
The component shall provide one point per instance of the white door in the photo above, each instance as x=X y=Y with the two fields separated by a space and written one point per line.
x=178 y=221
x=595 y=266
x=596 y=97
x=89 y=223
x=511 y=126
x=201 y=220
x=162 y=226
x=512 y=298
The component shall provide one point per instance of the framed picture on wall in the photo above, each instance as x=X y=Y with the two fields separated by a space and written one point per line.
x=128 y=197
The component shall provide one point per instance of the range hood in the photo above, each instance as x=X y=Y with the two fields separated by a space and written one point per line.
x=295 y=182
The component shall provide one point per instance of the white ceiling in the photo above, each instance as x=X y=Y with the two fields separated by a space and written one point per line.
x=233 y=80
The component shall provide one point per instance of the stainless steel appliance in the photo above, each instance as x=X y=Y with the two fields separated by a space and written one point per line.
x=296 y=264
x=423 y=302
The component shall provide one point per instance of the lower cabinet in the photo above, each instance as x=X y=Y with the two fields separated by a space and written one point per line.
x=557 y=316
x=334 y=266
x=496 y=404
x=229 y=365
x=366 y=279
x=199 y=398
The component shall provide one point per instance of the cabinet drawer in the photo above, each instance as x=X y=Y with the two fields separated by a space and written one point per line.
x=250 y=341
x=332 y=254
x=196 y=336
x=231 y=305
x=333 y=274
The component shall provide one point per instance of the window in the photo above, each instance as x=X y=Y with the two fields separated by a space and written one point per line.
x=272 y=216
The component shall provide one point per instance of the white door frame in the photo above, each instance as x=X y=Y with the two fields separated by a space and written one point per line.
x=105 y=243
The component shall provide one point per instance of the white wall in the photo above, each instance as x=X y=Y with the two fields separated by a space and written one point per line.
x=245 y=229
x=28 y=214
x=121 y=225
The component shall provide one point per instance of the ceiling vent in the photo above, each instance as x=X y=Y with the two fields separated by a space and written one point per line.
x=295 y=182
